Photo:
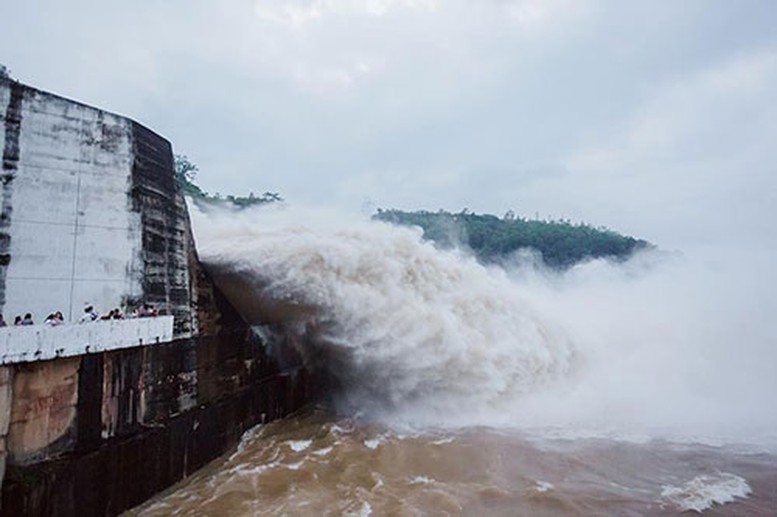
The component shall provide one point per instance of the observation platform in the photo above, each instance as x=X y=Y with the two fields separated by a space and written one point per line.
x=24 y=344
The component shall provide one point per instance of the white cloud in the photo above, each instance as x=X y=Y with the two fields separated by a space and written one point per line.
x=538 y=14
x=695 y=159
x=687 y=107
x=299 y=13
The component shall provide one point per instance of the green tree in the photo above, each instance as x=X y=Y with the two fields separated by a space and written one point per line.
x=185 y=174
x=185 y=171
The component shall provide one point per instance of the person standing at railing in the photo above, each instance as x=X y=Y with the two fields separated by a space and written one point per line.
x=147 y=311
x=27 y=321
x=2 y=321
x=89 y=315
x=54 y=320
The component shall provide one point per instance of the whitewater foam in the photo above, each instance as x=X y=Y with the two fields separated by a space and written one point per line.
x=323 y=452
x=299 y=445
x=705 y=491
x=543 y=486
x=373 y=443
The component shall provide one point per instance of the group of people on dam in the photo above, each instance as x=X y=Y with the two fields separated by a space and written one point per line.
x=90 y=314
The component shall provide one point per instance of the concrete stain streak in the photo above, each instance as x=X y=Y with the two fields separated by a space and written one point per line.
x=12 y=123
x=165 y=228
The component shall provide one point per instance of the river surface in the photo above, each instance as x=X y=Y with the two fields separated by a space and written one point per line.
x=314 y=464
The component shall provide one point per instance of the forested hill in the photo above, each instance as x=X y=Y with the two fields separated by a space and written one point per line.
x=561 y=243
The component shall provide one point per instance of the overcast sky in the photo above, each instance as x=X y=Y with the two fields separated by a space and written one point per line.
x=655 y=118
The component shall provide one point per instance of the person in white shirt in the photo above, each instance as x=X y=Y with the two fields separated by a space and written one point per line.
x=89 y=315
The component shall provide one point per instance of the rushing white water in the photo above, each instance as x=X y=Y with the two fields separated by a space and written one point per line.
x=662 y=346
x=409 y=325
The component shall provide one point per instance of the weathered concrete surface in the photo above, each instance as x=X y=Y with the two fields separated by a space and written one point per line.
x=69 y=235
x=166 y=239
x=5 y=415
x=43 y=410
x=90 y=212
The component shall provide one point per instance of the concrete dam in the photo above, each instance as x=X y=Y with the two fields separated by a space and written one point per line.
x=96 y=418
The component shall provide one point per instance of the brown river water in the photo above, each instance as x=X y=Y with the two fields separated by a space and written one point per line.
x=313 y=464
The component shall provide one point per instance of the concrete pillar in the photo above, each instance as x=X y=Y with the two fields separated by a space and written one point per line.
x=43 y=410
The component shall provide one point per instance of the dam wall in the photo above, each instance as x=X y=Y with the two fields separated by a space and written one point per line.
x=96 y=417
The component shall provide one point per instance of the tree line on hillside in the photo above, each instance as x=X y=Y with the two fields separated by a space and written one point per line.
x=560 y=243
x=186 y=172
